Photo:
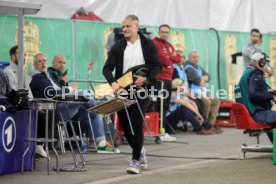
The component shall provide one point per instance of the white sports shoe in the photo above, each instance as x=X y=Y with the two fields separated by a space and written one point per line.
x=167 y=138
x=40 y=151
x=133 y=167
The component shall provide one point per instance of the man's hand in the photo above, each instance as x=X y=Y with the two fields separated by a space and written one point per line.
x=266 y=75
x=202 y=82
x=274 y=98
x=75 y=86
x=269 y=70
x=139 y=80
x=65 y=78
x=115 y=86
x=205 y=78
x=199 y=118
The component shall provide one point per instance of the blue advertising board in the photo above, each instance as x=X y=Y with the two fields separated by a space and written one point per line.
x=13 y=134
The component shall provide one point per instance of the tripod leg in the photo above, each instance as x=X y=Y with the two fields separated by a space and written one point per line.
x=129 y=121
x=107 y=120
x=142 y=115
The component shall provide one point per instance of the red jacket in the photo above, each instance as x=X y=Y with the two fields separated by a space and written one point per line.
x=165 y=52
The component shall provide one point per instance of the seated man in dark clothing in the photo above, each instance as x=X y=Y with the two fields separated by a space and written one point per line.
x=253 y=92
x=43 y=86
x=58 y=72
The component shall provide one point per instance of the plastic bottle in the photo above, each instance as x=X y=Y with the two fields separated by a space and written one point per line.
x=84 y=144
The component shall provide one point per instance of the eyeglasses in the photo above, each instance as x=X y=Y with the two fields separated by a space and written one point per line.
x=41 y=61
x=164 y=32
x=62 y=62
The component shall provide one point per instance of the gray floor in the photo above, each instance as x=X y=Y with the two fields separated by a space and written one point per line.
x=192 y=159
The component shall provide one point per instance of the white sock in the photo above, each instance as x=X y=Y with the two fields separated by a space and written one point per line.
x=102 y=143
x=143 y=149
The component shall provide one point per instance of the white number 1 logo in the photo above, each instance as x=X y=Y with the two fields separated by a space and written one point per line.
x=8 y=133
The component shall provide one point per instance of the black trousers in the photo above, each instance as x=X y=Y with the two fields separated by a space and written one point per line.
x=183 y=113
x=41 y=124
x=135 y=141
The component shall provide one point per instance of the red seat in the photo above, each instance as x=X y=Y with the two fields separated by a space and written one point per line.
x=243 y=119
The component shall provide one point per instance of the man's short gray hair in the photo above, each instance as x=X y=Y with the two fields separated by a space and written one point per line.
x=36 y=56
x=193 y=51
x=56 y=56
x=132 y=17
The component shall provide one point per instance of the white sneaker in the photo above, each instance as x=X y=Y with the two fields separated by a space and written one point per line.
x=179 y=124
x=40 y=151
x=167 y=138
x=133 y=167
x=106 y=147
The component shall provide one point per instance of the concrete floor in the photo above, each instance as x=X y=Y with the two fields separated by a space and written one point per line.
x=192 y=159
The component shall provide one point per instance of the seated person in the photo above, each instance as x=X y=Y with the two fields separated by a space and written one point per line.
x=12 y=72
x=57 y=72
x=186 y=109
x=178 y=71
x=4 y=82
x=39 y=60
x=202 y=104
x=252 y=91
x=197 y=79
x=4 y=93
x=42 y=86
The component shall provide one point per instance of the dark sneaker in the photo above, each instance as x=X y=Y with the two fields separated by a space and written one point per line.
x=133 y=167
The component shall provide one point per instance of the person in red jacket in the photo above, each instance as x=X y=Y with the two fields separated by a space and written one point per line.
x=168 y=57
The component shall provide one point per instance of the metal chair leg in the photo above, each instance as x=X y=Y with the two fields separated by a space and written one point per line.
x=46 y=141
x=53 y=144
x=91 y=129
x=61 y=137
x=29 y=143
x=36 y=106
x=77 y=143
x=70 y=144
x=258 y=139
x=34 y=154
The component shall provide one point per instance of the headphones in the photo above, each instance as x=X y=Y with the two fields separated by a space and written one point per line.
x=262 y=62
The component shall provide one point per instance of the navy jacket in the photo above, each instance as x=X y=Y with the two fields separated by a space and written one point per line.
x=42 y=87
x=256 y=95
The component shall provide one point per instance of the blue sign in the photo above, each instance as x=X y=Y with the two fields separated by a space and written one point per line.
x=13 y=134
x=8 y=134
